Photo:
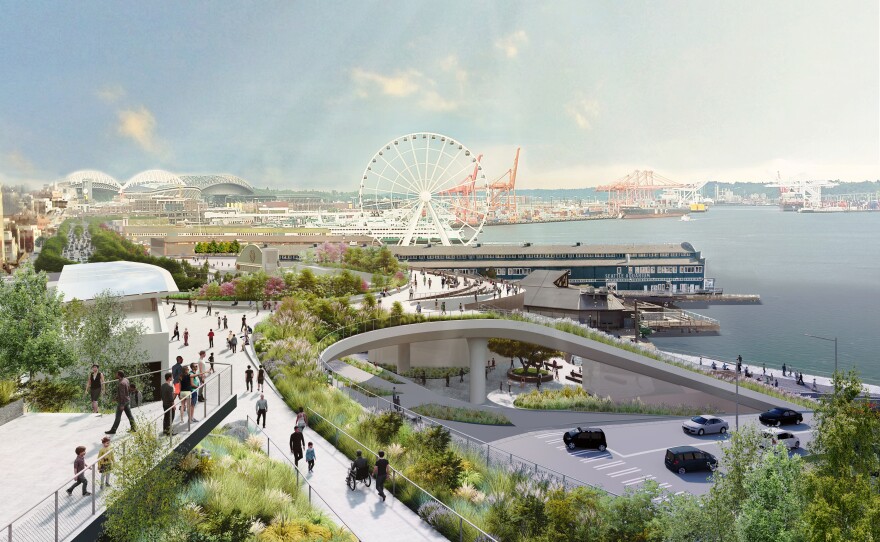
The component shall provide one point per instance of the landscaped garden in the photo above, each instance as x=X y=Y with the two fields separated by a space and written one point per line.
x=459 y=414
x=577 y=398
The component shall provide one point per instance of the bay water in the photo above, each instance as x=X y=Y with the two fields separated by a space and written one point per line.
x=817 y=274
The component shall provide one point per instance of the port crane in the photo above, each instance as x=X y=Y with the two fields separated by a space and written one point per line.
x=639 y=188
x=810 y=192
x=502 y=192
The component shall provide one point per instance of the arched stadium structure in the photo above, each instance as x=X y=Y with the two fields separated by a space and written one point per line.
x=156 y=182
x=101 y=185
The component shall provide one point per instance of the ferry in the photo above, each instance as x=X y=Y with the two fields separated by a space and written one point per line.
x=644 y=269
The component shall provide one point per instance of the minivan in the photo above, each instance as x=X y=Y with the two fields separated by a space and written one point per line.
x=682 y=459
x=587 y=437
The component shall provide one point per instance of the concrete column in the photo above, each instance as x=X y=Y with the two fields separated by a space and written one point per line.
x=479 y=352
x=402 y=357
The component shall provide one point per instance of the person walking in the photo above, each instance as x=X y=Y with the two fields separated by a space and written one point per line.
x=261 y=377
x=122 y=391
x=189 y=305
x=95 y=387
x=243 y=322
x=262 y=407
x=296 y=445
x=196 y=384
x=173 y=310
x=461 y=375
x=135 y=396
x=225 y=322
x=208 y=313
x=185 y=336
x=218 y=321
x=310 y=456
x=783 y=369
x=211 y=362
x=301 y=421
x=167 y=393
x=248 y=378
x=211 y=338
x=79 y=477
x=176 y=335
x=234 y=342
x=186 y=389
x=380 y=471
x=105 y=462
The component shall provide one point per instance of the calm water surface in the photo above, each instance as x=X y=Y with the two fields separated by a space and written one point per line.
x=816 y=274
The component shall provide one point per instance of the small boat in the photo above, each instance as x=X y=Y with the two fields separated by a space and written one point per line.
x=685 y=218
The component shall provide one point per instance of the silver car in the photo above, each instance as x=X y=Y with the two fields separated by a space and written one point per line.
x=705 y=424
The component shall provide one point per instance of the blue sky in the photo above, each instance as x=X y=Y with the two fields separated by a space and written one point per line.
x=302 y=94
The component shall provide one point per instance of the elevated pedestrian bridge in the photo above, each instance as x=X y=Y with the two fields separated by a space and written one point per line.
x=608 y=371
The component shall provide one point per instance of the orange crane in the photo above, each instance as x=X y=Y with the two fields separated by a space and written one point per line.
x=464 y=196
x=639 y=188
x=502 y=192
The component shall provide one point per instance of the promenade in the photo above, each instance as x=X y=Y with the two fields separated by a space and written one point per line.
x=362 y=510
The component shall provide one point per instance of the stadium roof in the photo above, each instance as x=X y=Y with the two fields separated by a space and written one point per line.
x=154 y=178
x=127 y=279
x=99 y=179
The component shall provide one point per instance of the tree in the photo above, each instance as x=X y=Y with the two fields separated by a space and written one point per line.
x=101 y=334
x=730 y=491
x=31 y=340
x=530 y=355
x=772 y=510
x=843 y=496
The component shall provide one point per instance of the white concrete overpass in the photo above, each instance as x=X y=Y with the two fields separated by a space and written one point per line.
x=610 y=371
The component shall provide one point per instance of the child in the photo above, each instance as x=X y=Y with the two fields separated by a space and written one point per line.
x=105 y=462
x=310 y=457
x=79 y=465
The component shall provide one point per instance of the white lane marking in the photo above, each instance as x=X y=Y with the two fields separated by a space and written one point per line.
x=679 y=492
x=585 y=452
x=612 y=464
x=591 y=459
x=561 y=447
x=664 y=485
x=545 y=435
x=552 y=440
x=639 y=480
x=630 y=470
x=713 y=442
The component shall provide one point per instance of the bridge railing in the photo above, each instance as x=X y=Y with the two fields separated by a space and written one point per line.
x=58 y=516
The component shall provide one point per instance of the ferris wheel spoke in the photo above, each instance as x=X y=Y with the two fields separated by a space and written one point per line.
x=414 y=152
x=407 y=189
x=442 y=178
x=408 y=180
x=413 y=180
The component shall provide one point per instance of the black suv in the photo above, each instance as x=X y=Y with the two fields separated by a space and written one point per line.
x=780 y=416
x=588 y=437
x=682 y=459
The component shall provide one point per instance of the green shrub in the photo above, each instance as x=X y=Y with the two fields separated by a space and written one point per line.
x=8 y=392
x=437 y=470
x=576 y=398
x=374 y=370
x=427 y=372
x=384 y=426
x=435 y=439
x=531 y=371
x=50 y=395
x=458 y=414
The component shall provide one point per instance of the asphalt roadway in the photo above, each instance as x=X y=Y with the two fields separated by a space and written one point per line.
x=635 y=453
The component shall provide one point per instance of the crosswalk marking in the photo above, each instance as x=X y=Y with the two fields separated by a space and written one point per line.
x=609 y=465
x=630 y=470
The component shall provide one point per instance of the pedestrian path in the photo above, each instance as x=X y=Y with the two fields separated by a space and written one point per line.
x=362 y=509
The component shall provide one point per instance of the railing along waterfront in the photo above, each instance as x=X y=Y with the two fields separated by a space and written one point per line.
x=56 y=516
x=467 y=530
x=311 y=491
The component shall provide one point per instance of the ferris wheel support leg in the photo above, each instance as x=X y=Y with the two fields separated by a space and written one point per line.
x=440 y=229
x=411 y=226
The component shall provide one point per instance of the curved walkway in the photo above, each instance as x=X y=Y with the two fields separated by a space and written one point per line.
x=553 y=338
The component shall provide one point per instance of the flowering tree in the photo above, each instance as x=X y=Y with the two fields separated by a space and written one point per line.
x=227 y=289
x=275 y=287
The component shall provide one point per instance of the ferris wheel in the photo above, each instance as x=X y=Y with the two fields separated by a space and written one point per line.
x=425 y=187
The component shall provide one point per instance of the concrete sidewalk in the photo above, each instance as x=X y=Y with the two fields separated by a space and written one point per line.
x=362 y=510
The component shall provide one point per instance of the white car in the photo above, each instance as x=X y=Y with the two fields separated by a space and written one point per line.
x=773 y=436
x=705 y=424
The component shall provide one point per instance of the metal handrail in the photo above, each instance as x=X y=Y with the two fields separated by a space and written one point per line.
x=298 y=474
x=215 y=377
x=396 y=473
x=460 y=434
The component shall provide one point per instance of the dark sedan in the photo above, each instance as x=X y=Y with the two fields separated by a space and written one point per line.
x=780 y=416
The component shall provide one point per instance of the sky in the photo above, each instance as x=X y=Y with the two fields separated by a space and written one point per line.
x=301 y=95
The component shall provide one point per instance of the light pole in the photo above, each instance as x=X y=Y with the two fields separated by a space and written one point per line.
x=834 y=340
x=737 y=395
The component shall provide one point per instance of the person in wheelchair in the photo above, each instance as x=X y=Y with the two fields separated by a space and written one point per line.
x=360 y=467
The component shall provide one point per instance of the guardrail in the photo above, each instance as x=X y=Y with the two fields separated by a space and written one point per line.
x=299 y=476
x=400 y=480
x=496 y=456
x=56 y=518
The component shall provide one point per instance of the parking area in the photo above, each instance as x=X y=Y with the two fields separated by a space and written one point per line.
x=635 y=453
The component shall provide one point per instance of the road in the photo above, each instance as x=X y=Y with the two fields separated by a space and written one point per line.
x=635 y=453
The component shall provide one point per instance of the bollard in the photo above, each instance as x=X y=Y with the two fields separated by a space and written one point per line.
x=268 y=442
x=460 y=529
x=393 y=481
x=487 y=455
x=94 y=490
x=56 y=515
x=310 y=494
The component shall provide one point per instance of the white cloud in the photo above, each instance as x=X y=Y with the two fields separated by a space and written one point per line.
x=111 y=93
x=139 y=125
x=405 y=84
x=583 y=111
x=511 y=44
x=19 y=161
x=400 y=84
x=451 y=65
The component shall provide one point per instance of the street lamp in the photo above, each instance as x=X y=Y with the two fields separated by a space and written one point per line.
x=830 y=340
